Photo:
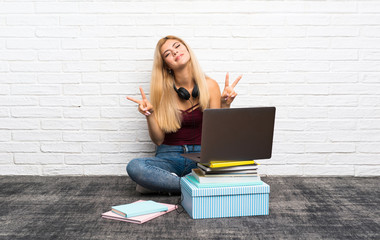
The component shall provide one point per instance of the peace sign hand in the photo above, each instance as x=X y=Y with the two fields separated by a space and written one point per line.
x=229 y=94
x=144 y=105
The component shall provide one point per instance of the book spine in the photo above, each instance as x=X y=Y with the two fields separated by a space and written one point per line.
x=119 y=213
x=144 y=212
x=231 y=164
x=211 y=185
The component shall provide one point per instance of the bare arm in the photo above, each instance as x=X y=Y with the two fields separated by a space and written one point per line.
x=214 y=91
x=155 y=132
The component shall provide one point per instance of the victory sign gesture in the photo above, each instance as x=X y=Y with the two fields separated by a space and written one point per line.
x=145 y=107
x=229 y=94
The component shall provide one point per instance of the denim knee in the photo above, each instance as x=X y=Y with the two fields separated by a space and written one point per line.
x=133 y=168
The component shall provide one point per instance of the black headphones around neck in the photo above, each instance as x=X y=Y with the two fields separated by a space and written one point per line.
x=184 y=94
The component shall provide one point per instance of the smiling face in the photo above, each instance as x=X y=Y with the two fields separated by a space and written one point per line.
x=175 y=54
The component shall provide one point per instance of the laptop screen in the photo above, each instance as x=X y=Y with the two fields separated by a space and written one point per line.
x=237 y=133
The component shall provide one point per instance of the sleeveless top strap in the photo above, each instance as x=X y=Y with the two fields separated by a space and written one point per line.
x=190 y=108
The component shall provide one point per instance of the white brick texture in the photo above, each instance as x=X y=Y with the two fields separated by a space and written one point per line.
x=66 y=68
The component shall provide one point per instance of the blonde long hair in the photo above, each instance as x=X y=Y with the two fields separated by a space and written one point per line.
x=162 y=95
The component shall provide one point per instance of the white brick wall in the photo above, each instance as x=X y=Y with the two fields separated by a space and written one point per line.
x=66 y=67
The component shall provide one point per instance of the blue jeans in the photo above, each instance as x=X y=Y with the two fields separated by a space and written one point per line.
x=155 y=173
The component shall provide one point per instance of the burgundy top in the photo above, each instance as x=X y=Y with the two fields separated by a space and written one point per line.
x=190 y=132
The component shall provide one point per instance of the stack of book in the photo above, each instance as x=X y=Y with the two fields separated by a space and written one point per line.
x=225 y=174
x=138 y=212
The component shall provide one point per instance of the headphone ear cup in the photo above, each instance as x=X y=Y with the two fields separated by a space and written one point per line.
x=183 y=93
x=195 y=92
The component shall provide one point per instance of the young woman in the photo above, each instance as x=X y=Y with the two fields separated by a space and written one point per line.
x=180 y=92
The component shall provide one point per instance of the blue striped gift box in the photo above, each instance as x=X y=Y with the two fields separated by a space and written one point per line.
x=220 y=202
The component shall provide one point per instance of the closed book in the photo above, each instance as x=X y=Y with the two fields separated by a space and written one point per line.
x=138 y=219
x=218 y=164
x=228 y=169
x=193 y=180
x=224 y=178
x=227 y=173
x=139 y=208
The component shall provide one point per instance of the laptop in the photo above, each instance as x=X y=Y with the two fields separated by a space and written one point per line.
x=236 y=134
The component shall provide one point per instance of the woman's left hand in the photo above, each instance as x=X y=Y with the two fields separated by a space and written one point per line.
x=229 y=94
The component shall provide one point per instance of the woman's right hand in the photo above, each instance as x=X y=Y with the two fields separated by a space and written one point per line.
x=145 y=107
